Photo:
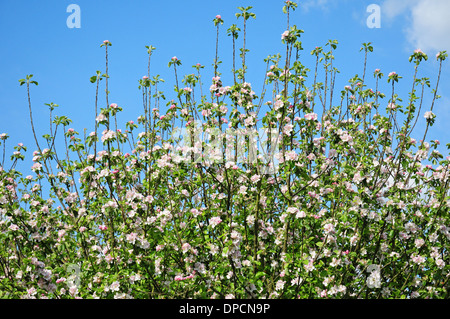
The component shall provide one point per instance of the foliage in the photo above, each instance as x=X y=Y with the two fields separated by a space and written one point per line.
x=351 y=211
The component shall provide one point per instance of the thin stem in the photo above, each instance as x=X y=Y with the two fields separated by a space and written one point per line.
x=243 y=51
x=31 y=117
x=217 y=50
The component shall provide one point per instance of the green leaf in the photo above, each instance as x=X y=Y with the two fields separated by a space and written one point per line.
x=259 y=275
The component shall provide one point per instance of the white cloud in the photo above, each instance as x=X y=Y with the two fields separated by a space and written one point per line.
x=428 y=24
x=393 y=8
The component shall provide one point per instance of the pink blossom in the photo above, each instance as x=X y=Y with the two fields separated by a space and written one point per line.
x=190 y=276
x=214 y=221
x=218 y=16
x=185 y=247
x=440 y=263
x=108 y=258
x=287 y=129
x=418 y=259
x=311 y=116
x=195 y=212
x=329 y=228
x=428 y=115
x=255 y=178
x=73 y=290
x=36 y=167
x=131 y=238
x=32 y=291
x=242 y=190
x=419 y=242
x=114 y=286
x=285 y=34
x=13 y=227
x=300 y=214
x=279 y=285
x=206 y=113
x=108 y=135
x=101 y=117
x=291 y=155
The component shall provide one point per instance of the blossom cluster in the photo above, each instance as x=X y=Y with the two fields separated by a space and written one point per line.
x=356 y=208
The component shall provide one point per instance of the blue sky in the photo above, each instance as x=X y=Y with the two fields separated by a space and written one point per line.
x=36 y=40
